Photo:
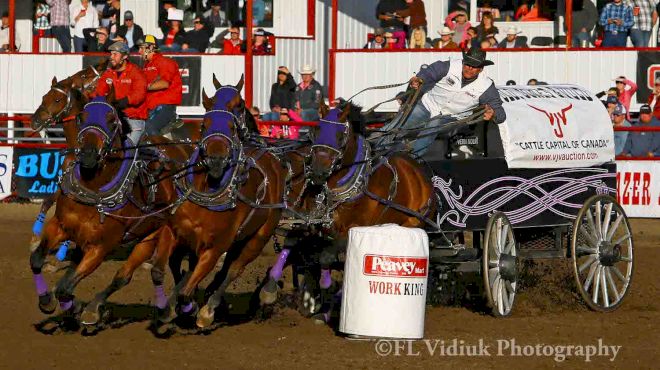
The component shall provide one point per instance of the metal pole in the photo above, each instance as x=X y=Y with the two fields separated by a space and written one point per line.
x=12 y=25
x=569 y=23
x=335 y=10
x=249 y=69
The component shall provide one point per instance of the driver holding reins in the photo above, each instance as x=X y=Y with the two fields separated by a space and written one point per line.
x=164 y=89
x=450 y=88
x=130 y=88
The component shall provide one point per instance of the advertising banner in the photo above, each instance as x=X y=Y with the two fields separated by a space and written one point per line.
x=36 y=171
x=554 y=126
x=6 y=155
x=638 y=188
x=648 y=69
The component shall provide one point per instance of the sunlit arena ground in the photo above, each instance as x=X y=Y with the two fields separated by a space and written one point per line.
x=547 y=313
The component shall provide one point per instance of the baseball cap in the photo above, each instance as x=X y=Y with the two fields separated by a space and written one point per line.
x=379 y=31
x=619 y=110
x=148 y=40
x=128 y=15
x=620 y=79
x=612 y=100
x=260 y=32
x=645 y=109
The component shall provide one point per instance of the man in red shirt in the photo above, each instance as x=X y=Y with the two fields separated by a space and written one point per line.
x=164 y=86
x=130 y=87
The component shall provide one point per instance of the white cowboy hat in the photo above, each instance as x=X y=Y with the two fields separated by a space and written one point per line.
x=446 y=31
x=512 y=31
x=307 y=70
x=174 y=14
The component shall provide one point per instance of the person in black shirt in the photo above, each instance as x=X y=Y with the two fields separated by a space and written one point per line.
x=282 y=94
x=97 y=39
x=197 y=39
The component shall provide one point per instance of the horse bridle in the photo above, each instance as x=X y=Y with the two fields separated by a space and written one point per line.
x=95 y=80
x=99 y=131
x=339 y=150
x=234 y=142
x=54 y=118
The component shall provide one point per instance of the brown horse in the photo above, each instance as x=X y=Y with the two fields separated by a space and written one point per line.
x=234 y=204
x=357 y=189
x=61 y=105
x=103 y=205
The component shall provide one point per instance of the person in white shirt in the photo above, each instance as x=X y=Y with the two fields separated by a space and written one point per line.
x=83 y=15
x=4 y=35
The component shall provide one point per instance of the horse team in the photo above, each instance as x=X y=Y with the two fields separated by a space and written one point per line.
x=221 y=190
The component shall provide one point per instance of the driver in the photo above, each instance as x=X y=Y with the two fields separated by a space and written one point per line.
x=453 y=87
x=164 y=89
x=130 y=88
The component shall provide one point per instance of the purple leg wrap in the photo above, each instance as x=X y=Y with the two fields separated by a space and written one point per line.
x=161 y=298
x=40 y=283
x=187 y=308
x=276 y=271
x=66 y=305
x=326 y=279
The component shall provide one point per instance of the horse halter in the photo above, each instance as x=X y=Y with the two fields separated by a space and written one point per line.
x=54 y=118
x=96 y=124
x=92 y=85
x=327 y=137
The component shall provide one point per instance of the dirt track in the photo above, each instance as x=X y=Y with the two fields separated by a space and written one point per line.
x=541 y=316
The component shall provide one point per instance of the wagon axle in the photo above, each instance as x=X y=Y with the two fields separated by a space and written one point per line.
x=609 y=254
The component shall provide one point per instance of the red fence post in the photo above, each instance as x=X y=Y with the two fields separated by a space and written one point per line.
x=248 y=56
x=12 y=25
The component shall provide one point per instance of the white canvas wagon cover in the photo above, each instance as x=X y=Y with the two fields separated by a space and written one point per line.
x=555 y=126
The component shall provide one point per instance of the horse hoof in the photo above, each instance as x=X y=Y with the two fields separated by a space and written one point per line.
x=90 y=317
x=47 y=303
x=165 y=315
x=321 y=318
x=205 y=317
x=268 y=294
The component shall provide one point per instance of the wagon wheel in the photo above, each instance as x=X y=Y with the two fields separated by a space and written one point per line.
x=602 y=250
x=499 y=264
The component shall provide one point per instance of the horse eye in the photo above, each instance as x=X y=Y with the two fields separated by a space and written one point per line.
x=57 y=100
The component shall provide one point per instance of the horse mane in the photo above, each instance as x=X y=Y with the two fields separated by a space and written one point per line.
x=357 y=120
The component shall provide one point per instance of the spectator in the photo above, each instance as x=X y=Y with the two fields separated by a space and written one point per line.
x=585 y=18
x=282 y=94
x=110 y=16
x=625 y=94
x=97 y=39
x=197 y=40
x=457 y=22
x=130 y=31
x=532 y=82
x=487 y=27
x=309 y=94
x=174 y=34
x=446 y=42
x=82 y=16
x=418 y=39
x=611 y=103
x=215 y=16
x=644 y=144
x=232 y=46
x=617 y=19
x=258 y=12
x=494 y=13
x=492 y=41
x=618 y=116
x=387 y=12
x=164 y=86
x=472 y=40
x=164 y=14
x=379 y=40
x=417 y=15
x=657 y=11
x=485 y=44
x=264 y=130
x=41 y=21
x=260 y=45
x=59 y=22
x=130 y=86
x=654 y=99
x=645 y=16
x=512 y=40
x=284 y=131
x=391 y=41
x=4 y=35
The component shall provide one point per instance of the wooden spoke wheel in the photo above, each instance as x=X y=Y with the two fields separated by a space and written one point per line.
x=499 y=264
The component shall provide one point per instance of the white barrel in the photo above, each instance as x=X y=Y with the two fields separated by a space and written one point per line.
x=385 y=280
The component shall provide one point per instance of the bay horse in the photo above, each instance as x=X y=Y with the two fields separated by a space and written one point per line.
x=234 y=202
x=102 y=204
x=358 y=189
x=61 y=105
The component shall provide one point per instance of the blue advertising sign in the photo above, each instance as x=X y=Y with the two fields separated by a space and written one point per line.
x=37 y=171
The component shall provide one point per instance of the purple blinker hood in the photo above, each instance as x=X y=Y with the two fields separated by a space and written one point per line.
x=223 y=96
x=97 y=114
x=329 y=128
